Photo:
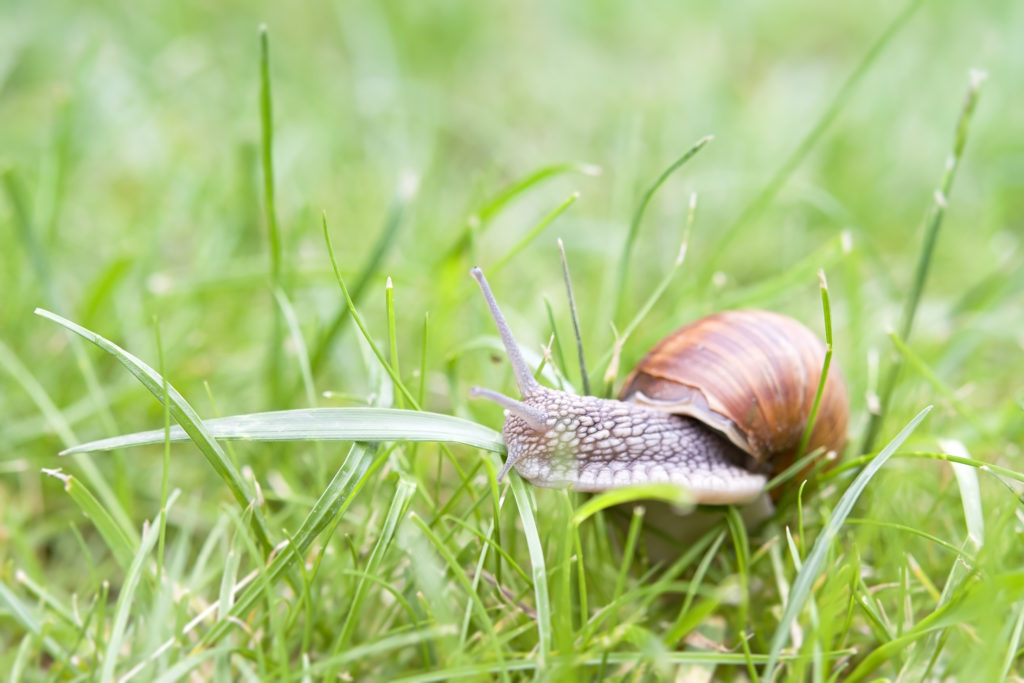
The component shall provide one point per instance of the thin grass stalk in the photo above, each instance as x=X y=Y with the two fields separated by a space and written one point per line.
x=826 y=311
x=533 y=233
x=557 y=356
x=291 y=320
x=270 y=211
x=793 y=161
x=389 y=310
x=611 y=356
x=478 y=220
x=386 y=240
x=575 y=318
x=396 y=513
x=166 y=464
x=932 y=222
x=634 y=225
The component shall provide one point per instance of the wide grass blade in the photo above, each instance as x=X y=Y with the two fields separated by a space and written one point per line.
x=668 y=493
x=323 y=424
x=184 y=414
x=816 y=558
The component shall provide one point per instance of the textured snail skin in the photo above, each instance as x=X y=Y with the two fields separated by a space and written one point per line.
x=595 y=444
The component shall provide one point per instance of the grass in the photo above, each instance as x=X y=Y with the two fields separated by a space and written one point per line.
x=267 y=216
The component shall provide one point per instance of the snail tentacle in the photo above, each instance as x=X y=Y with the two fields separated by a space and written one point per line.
x=535 y=417
x=524 y=378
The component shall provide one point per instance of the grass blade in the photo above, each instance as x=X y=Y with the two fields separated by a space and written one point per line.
x=396 y=513
x=350 y=303
x=184 y=415
x=301 y=354
x=932 y=222
x=480 y=219
x=538 y=566
x=27 y=617
x=970 y=492
x=389 y=308
x=267 y=158
x=502 y=198
x=907 y=355
x=838 y=103
x=60 y=426
x=332 y=503
x=459 y=574
x=826 y=310
x=532 y=235
x=668 y=493
x=323 y=424
x=124 y=601
x=634 y=226
x=121 y=546
x=575 y=319
x=612 y=353
x=183 y=667
x=1013 y=643
x=273 y=232
x=816 y=558
x=385 y=241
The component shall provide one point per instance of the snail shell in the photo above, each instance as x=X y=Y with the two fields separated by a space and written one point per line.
x=750 y=375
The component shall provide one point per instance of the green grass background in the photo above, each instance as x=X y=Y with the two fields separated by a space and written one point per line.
x=133 y=192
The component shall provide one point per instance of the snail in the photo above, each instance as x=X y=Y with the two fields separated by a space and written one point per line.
x=716 y=407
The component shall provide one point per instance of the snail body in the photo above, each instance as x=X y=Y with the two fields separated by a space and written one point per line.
x=715 y=407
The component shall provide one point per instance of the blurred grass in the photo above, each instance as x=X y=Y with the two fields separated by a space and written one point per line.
x=436 y=136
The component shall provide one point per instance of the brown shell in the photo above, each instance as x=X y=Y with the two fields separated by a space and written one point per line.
x=750 y=374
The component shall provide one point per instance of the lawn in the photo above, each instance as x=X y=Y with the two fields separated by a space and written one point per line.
x=228 y=209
